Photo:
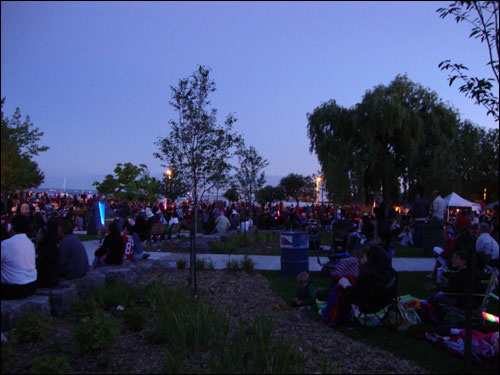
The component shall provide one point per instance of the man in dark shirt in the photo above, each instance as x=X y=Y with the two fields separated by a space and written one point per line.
x=457 y=285
x=419 y=212
x=74 y=259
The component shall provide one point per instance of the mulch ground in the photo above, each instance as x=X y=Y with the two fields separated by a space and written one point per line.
x=248 y=296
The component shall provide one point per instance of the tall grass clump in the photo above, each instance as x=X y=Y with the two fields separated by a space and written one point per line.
x=247 y=264
x=253 y=351
x=116 y=294
x=232 y=265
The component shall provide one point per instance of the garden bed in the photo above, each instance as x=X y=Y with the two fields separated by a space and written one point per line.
x=252 y=311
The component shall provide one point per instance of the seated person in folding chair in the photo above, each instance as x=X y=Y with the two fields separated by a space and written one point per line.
x=486 y=247
x=375 y=287
x=452 y=292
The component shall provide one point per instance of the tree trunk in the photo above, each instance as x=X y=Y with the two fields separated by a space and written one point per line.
x=192 y=258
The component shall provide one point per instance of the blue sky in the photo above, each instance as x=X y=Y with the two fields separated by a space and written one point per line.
x=96 y=77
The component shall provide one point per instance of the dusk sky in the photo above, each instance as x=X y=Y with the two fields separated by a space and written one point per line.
x=96 y=77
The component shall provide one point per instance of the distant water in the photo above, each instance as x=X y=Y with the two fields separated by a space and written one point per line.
x=53 y=191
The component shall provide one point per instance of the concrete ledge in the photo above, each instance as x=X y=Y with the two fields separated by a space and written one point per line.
x=13 y=310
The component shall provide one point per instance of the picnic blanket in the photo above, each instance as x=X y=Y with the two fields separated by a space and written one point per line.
x=484 y=345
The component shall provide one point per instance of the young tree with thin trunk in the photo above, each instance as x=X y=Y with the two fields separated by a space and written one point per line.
x=197 y=148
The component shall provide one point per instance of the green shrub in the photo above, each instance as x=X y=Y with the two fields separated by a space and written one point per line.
x=181 y=264
x=50 y=364
x=247 y=264
x=85 y=307
x=232 y=265
x=32 y=327
x=95 y=333
x=200 y=264
x=134 y=318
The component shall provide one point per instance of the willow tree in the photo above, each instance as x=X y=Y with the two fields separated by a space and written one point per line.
x=197 y=148
x=399 y=138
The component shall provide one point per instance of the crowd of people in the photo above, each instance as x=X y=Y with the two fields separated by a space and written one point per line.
x=39 y=247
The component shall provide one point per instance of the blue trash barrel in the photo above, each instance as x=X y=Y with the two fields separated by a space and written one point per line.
x=294 y=247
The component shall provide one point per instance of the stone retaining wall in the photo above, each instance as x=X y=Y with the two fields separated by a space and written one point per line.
x=57 y=301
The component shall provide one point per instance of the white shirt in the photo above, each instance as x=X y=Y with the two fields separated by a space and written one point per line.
x=406 y=239
x=18 y=260
x=487 y=245
x=173 y=221
x=439 y=208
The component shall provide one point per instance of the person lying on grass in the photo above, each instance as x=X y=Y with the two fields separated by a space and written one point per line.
x=306 y=292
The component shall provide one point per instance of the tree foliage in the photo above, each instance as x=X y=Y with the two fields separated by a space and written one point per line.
x=250 y=174
x=483 y=16
x=232 y=194
x=269 y=194
x=197 y=148
x=298 y=187
x=130 y=182
x=19 y=146
x=401 y=138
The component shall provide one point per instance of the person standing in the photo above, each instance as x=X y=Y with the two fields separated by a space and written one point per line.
x=439 y=207
x=419 y=213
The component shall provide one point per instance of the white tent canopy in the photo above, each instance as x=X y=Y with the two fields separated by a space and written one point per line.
x=455 y=200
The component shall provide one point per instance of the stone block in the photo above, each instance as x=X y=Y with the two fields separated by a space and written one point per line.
x=89 y=282
x=121 y=274
x=61 y=298
x=164 y=265
x=13 y=310
x=144 y=265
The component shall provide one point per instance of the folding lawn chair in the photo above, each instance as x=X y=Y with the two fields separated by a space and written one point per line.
x=458 y=315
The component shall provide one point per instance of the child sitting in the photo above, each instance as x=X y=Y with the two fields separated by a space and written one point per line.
x=306 y=293
x=406 y=238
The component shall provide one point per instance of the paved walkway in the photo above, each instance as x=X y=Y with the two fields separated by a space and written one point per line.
x=273 y=263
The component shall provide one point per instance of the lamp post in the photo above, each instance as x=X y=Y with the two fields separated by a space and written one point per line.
x=168 y=172
x=318 y=179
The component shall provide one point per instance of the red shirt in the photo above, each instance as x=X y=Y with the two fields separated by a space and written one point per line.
x=128 y=247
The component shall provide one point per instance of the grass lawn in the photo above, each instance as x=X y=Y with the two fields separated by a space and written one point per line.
x=401 y=343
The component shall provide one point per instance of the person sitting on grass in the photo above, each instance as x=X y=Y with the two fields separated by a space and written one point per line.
x=406 y=238
x=443 y=256
x=111 y=250
x=306 y=293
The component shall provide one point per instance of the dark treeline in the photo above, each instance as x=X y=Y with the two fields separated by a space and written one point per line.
x=399 y=140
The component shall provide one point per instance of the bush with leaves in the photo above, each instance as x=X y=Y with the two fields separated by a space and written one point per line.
x=96 y=333
x=181 y=264
x=32 y=327
x=134 y=318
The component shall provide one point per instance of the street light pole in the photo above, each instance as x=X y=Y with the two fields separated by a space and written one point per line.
x=318 y=179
